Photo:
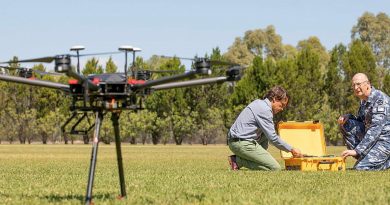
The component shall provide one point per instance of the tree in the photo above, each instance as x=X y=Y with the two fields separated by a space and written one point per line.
x=305 y=86
x=335 y=86
x=260 y=42
x=92 y=67
x=374 y=31
x=110 y=66
x=161 y=102
x=315 y=44
x=239 y=53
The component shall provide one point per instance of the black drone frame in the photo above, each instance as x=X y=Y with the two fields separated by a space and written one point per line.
x=113 y=93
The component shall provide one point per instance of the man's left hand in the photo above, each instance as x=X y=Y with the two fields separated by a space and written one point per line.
x=348 y=153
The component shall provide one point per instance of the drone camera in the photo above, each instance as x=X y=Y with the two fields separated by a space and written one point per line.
x=62 y=64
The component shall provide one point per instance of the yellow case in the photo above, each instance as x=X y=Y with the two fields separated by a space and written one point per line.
x=309 y=137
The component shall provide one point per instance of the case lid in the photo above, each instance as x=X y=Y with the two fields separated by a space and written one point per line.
x=307 y=136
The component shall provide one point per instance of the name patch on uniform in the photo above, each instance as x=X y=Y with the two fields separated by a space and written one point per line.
x=380 y=109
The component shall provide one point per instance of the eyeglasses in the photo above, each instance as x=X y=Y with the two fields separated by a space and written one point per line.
x=358 y=84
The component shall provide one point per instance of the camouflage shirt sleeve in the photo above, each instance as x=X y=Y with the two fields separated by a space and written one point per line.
x=379 y=112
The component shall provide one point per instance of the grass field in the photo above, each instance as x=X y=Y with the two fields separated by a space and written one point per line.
x=57 y=174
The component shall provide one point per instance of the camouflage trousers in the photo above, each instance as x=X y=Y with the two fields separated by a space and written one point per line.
x=378 y=156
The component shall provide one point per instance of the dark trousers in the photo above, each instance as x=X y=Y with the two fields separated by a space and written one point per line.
x=377 y=158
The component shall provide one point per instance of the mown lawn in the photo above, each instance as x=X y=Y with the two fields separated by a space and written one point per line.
x=57 y=174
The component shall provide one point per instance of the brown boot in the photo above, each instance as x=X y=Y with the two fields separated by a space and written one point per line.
x=233 y=163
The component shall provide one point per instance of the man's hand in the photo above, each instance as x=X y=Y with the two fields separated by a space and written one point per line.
x=296 y=153
x=342 y=119
x=348 y=153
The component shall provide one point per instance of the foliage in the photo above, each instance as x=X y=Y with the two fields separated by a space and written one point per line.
x=374 y=30
x=110 y=66
x=317 y=81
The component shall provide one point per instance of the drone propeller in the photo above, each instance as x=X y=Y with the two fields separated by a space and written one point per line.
x=47 y=73
x=199 y=60
x=49 y=59
x=23 y=71
x=160 y=71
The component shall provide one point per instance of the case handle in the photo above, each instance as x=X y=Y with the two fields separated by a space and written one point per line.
x=325 y=162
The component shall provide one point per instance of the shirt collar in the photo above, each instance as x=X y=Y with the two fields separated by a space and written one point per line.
x=267 y=102
x=370 y=97
x=372 y=94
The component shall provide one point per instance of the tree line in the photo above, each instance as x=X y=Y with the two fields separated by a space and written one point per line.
x=317 y=80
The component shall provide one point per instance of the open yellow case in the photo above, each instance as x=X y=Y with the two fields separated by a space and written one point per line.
x=309 y=137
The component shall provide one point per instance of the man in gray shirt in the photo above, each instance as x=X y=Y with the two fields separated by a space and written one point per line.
x=244 y=135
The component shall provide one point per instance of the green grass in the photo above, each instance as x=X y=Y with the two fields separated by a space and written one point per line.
x=57 y=174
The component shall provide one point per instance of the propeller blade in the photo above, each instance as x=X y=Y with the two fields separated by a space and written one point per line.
x=47 y=73
x=11 y=68
x=25 y=69
x=161 y=71
x=162 y=56
x=48 y=59
x=217 y=62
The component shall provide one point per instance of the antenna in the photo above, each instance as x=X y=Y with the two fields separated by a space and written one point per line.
x=135 y=49
x=77 y=49
x=126 y=49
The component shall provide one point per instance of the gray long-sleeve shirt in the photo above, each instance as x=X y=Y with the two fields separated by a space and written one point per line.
x=258 y=115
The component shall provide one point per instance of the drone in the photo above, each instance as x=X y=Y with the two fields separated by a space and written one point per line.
x=112 y=92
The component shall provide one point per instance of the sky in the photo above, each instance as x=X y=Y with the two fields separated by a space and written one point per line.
x=42 y=28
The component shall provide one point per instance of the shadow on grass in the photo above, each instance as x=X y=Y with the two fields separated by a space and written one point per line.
x=54 y=198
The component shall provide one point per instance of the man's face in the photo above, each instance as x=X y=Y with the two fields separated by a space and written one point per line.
x=279 y=105
x=361 y=87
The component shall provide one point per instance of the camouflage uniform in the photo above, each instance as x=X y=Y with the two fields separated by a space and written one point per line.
x=368 y=133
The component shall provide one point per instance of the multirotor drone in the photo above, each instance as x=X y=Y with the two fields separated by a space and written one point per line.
x=112 y=92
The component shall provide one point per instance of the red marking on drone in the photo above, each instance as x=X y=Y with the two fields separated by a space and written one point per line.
x=73 y=82
x=134 y=82
x=96 y=81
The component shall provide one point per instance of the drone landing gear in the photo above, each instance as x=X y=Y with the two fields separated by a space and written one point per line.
x=95 y=143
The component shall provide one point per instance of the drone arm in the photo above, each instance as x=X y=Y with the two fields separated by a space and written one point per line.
x=190 y=83
x=41 y=83
x=82 y=79
x=164 y=80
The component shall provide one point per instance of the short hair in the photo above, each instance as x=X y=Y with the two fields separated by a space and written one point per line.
x=277 y=93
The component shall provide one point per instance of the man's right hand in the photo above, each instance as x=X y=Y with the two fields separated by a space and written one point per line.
x=296 y=153
x=342 y=119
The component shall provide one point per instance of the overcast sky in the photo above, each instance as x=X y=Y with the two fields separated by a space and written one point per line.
x=171 y=27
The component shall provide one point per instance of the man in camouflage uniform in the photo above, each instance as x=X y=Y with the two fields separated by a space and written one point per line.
x=367 y=135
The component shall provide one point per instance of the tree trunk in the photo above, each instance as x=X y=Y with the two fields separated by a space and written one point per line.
x=156 y=138
x=22 y=139
x=66 y=139
x=143 y=138
x=86 y=139
x=133 y=140
x=44 y=138
x=178 y=140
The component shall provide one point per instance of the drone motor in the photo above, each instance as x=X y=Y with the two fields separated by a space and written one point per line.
x=62 y=64
x=202 y=66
